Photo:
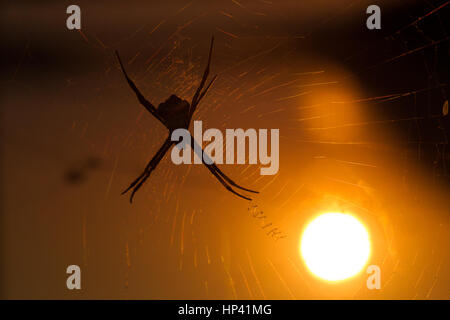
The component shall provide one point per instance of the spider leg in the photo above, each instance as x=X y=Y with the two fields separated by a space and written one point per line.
x=203 y=94
x=147 y=174
x=229 y=180
x=137 y=184
x=147 y=104
x=207 y=88
x=197 y=94
x=134 y=183
x=210 y=168
x=223 y=179
x=158 y=154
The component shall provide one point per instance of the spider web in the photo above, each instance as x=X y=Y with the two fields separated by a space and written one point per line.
x=414 y=108
x=403 y=69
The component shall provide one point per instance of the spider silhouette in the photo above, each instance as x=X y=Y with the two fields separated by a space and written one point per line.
x=177 y=113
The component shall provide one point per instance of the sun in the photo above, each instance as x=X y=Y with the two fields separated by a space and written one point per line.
x=335 y=246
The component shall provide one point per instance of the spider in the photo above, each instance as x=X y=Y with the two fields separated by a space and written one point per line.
x=177 y=113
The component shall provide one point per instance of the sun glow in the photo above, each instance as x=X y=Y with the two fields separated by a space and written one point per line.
x=335 y=246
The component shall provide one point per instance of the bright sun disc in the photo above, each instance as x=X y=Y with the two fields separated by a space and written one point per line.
x=335 y=246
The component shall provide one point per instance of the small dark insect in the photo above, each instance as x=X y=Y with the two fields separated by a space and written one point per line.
x=78 y=174
x=177 y=113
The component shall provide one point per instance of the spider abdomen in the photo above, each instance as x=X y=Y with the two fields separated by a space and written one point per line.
x=175 y=112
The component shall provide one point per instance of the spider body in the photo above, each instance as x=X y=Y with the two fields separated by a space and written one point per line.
x=175 y=113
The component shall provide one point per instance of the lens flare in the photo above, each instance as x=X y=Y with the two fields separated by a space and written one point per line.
x=335 y=246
